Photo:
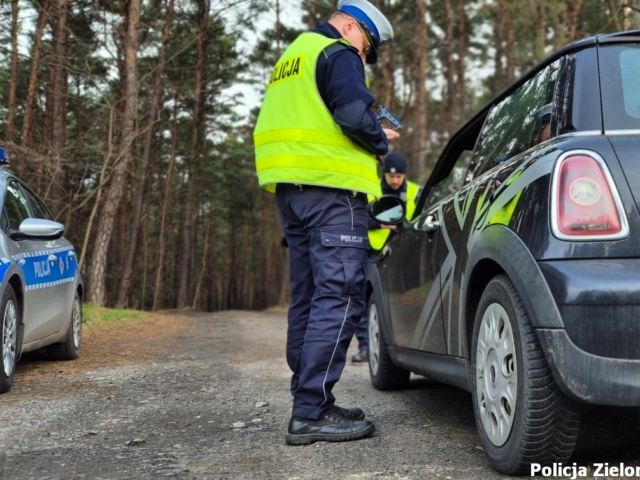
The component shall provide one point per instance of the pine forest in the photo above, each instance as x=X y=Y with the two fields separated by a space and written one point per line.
x=133 y=121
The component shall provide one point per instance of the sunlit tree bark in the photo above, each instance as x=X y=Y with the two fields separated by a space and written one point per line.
x=57 y=104
x=97 y=292
x=30 y=103
x=13 y=78
x=152 y=124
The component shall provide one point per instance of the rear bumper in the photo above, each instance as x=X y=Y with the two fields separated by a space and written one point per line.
x=599 y=304
x=589 y=378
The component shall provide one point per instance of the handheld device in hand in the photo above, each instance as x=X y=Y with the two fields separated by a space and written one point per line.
x=385 y=117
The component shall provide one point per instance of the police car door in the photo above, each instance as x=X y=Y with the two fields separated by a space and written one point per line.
x=39 y=261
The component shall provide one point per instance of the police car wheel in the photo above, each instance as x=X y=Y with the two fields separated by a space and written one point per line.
x=384 y=374
x=9 y=337
x=70 y=348
x=521 y=415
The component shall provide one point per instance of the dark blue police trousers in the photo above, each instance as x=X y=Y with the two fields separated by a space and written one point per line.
x=326 y=229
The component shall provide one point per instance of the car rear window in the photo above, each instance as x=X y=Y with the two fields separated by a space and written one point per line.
x=620 y=83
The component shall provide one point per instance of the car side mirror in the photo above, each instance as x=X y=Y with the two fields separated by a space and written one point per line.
x=37 y=229
x=388 y=209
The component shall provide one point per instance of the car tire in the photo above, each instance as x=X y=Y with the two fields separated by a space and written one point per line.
x=10 y=315
x=521 y=415
x=70 y=348
x=384 y=374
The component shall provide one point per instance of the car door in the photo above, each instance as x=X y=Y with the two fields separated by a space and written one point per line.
x=418 y=262
x=45 y=277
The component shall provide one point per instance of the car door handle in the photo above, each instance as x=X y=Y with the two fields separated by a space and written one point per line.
x=430 y=224
x=52 y=258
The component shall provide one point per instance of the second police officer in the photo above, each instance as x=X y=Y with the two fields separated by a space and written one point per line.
x=393 y=182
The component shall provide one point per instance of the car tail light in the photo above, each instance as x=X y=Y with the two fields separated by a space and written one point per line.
x=586 y=203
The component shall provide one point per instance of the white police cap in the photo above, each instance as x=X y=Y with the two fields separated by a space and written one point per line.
x=373 y=18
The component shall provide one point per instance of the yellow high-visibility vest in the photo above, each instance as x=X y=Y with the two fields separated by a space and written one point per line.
x=296 y=139
x=378 y=237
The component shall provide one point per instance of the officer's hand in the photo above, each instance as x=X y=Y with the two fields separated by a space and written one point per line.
x=391 y=134
x=390 y=227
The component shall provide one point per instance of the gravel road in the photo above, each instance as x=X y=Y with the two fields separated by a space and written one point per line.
x=205 y=396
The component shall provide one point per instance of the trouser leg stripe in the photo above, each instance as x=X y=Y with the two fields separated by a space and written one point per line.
x=324 y=381
x=350 y=208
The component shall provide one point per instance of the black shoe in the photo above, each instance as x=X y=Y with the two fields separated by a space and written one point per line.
x=353 y=414
x=331 y=428
x=361 y=356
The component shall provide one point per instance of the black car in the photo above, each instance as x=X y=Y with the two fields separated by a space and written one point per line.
x=518 y=279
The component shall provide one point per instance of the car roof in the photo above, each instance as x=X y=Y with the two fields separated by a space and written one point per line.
x=472 y=127
x=617 y=37
x=475 y=123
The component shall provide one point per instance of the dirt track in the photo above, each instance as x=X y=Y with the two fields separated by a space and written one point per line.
x=161 y=400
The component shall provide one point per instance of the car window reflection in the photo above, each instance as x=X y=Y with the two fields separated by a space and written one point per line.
x=514 y=125
x=16 y=206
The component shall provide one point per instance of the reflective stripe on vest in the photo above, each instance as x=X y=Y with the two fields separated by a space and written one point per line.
x=378 y=237
x=296 y=139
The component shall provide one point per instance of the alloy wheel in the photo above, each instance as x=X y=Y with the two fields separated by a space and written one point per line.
x=9 y=337
x=76 y=318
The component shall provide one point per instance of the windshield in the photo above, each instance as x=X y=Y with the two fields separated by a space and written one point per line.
x=620 y=84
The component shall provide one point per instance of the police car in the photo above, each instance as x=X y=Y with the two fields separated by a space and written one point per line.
x=40 y=283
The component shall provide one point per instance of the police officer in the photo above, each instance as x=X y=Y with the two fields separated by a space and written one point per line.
x=393 y=182
x=316 y=143
x=543 y=123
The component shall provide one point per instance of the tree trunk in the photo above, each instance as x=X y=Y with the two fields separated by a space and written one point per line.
x=576 y=7
x=419 y=150
x=313 y=14
x=625 y=15
x=165 y=201
x=461 y=97
x=58 y=92
x=278 y=30
x=449 y=69
x=510 y=43
x=13 y=82
x=541 y=34
x=97 y=293
x=30 y=103
x=99 y=190
x=205 y=254
x=383 y=79
x=197 y=159
x=152 y=123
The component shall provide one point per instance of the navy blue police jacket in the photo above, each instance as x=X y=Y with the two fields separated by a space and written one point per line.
x=341 y=83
